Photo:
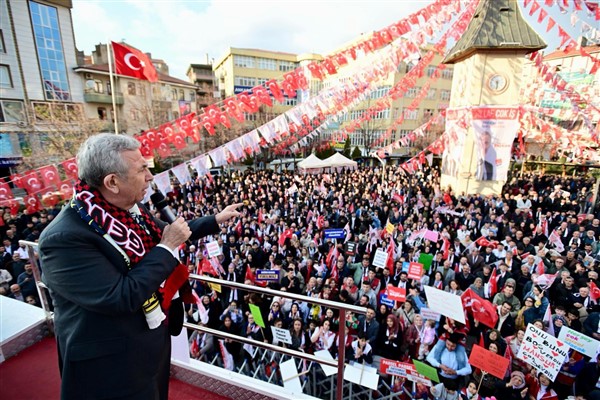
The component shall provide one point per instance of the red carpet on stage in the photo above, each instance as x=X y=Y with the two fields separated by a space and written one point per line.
x=33 y=374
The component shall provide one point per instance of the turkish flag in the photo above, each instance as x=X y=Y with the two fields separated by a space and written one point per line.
x=32 y=204
x=70 y=168
x=49 y=175
x=482 y=310
x=66 y=189
x=134 y=63
x=594 y=292
x=5 y=192
x=285 y=235
x=31 y=182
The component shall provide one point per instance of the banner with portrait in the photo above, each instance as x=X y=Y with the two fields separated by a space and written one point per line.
x=494 y=130
x=454 y=142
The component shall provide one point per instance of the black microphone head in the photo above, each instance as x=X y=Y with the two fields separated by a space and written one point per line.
x=158 y=199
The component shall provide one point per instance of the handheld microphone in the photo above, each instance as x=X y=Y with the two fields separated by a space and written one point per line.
x=159 y=201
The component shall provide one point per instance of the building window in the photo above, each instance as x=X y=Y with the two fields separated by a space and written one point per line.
x=411 y=114
x=108 y=88
x=135 y=115
x=261 y=81
x=285 y=66
x=430 y=94
x=412 y=92
x=267 y=63
x=5 y=78
x=11 y=111
x=98 y=86
x=447 y=73
x=131 y=88
x=244 y=81
x=243 y=61
x=380 y=92
x=428 y=113
x=290 y=102
x=383 y=114
x=445 y=95
x=50 y=51
x=431 y=69
x=101 y=113
x=2 y=48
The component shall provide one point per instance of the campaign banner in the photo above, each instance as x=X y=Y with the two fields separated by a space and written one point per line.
x=494 y=130
x=488 y=361
x=269 y=275
x=335 y=233
x=453 y=154
x=380 y=259
x=415 y=270
x=384 y=299
x=579 y=342
x=447 y=304
x=403 y=370
x=543 y=351
x=396 y=293
x=213 y=249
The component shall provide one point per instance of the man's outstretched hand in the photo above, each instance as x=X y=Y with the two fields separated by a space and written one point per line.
x=228 y=213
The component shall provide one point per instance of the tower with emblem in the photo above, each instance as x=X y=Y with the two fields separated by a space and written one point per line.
x=483 y=111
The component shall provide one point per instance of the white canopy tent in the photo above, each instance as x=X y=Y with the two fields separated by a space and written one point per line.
x=338 y=160
x=312 y=163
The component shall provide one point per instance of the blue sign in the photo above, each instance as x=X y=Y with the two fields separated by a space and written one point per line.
x=335 y=233
x=270 y=275
x=383 y=299
x=237 y=89
x=405 y=266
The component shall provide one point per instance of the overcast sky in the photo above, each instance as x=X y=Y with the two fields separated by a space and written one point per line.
x=182 y=32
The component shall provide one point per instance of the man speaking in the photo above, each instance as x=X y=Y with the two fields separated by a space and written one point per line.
x=104 y=258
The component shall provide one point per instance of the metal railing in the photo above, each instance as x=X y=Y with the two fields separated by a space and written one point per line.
x=309 y=357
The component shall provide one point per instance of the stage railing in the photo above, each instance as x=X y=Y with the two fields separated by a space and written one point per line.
x=341 y=307
x=42 y=290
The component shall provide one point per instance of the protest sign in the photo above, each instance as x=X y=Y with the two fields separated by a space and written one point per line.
x=428 y=313
x=426 y=260
x=257 y=315
x=543 y=351
x=282 y=335
x=326 y=368
x=361 y=374
x=384 y=299
x=215 y=286
x=396 y=294
x=213 y=249
x=271 y=275
x=432 y=236
x=579 y=342
x=380 y=260
x=405 y=265
x=403 y=370
x=415 y=270
x=488 y=361
x=426 y=370
x=335 y=233
x=447 y=304
x=290 y=376
x=350 y=248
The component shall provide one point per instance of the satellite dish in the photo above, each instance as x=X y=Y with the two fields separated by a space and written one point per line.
x=90 y=84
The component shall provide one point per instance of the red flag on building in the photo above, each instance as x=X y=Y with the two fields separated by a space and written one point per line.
x=481 y=309
x=134 y=63
x=5 y=191
x=31 y=182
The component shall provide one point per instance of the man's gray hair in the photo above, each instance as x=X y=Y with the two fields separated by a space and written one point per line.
x=100 y=155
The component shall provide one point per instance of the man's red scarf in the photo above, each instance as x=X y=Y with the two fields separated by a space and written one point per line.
x=130 y=236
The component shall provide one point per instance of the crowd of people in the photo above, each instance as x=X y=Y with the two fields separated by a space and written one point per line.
x=540 y=225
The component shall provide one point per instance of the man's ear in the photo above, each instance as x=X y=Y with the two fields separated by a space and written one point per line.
x=110 y=183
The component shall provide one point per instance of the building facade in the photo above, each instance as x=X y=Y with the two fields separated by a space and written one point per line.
x=37 y=57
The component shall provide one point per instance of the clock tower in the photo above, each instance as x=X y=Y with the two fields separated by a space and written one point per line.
x=483 y=112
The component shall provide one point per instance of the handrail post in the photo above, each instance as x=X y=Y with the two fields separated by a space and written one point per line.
x=341 y=353
x=38 y=282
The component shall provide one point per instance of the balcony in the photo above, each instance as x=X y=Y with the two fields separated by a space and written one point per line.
x=94 y=97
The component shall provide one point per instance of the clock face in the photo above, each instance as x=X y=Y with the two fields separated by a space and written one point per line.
x=497 y=83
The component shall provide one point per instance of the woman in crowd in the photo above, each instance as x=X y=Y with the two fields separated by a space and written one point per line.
x=323 y=338
x=389 y=339
x=406 y=313
x=292 y=315
x=453 y=288
x=477 y=287
x=300 y=339
x=438 y=281
x=540 y=387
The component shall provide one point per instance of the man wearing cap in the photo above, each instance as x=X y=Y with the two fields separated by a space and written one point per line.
x=450 y=357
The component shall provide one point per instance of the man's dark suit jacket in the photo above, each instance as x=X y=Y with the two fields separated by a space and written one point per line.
x=105 y=347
